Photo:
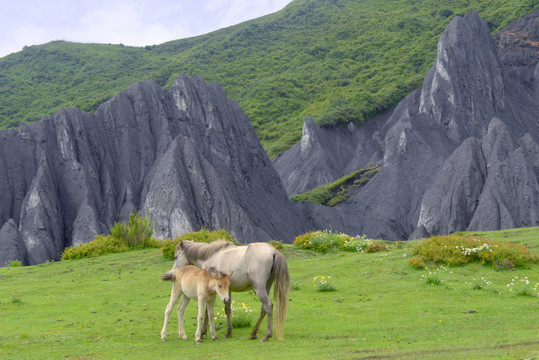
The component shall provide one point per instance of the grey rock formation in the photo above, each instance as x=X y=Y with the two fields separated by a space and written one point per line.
x=324 y=155
x=458 y=154
x=187 y=155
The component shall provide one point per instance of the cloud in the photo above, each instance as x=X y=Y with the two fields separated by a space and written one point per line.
x=232 y=12
x=130 y=22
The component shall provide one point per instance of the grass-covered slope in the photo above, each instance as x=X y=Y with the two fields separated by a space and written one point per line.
x=338 y=60
x=112 y=307
x=332 y=194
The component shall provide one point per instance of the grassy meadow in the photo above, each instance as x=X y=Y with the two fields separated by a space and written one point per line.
x=111 y=307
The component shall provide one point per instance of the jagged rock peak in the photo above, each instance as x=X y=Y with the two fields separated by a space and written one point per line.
x=466 y=64
x=187 y=154
x=458 y=154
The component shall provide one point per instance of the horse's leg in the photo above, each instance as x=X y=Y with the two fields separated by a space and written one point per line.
x=200 y=317
x=174 y=296
x=267 y=308
x=269 y=312
x=254 y=333
x=228 y=313
x=181 y=312
x=210 y=314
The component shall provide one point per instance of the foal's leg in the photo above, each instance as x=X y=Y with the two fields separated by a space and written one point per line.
x=200 y=318
x=211 y=316
x=181 y=312
x=205 y=326
x=267 y=308
x=174 y=296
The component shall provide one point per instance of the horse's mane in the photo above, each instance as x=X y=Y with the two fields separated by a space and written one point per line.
x=202 y=251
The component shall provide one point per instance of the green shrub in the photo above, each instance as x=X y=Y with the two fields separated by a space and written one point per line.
x=168 y=247
x=101 y=245
x=416 y=262
x=135 y=234
x=276 y=244
x=14 y=263
x=303 y=241
x=456 y=249
x=324 y=241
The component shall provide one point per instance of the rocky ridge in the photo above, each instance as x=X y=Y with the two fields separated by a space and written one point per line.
x=187 y=155
x=458 y=154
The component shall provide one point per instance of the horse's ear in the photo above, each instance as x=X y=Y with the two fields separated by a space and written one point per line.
x=229 y=274
x=179 y=245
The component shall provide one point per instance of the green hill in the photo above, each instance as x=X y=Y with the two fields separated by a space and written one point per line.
x=112 y=307
x=338 y=60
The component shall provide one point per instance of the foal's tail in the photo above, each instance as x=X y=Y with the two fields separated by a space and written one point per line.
x=280 y=293
x=171 y=275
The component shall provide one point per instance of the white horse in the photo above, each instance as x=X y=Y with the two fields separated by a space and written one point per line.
x=200 y=284
x=255 y=266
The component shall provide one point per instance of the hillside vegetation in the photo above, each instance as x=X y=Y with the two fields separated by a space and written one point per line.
x=332 y=194
x=343 y=305
x=338 y=60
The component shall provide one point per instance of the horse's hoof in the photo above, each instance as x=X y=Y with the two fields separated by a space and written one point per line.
x=252 y=337
x=198 y=342
x=228 y=336
x=163 y=339
x=215 y=339
x=264 y=339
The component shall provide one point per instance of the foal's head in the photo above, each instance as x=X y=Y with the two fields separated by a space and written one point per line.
x=221 y=281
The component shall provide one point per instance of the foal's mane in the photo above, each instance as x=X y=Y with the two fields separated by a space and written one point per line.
x=213 y=272
x=202 y=251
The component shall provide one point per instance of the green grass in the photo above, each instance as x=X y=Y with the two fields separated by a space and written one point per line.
x=332 y=194
x=339 y=61
x=526 y=236
x=112 y=307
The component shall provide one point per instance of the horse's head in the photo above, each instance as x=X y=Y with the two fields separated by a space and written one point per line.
x=222 y=283
x=180 y=257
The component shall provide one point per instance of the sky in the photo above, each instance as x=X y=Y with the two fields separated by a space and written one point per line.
x=129 y=22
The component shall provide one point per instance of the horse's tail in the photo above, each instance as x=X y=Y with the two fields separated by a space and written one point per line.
x=280 y=293
x=171 y=275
